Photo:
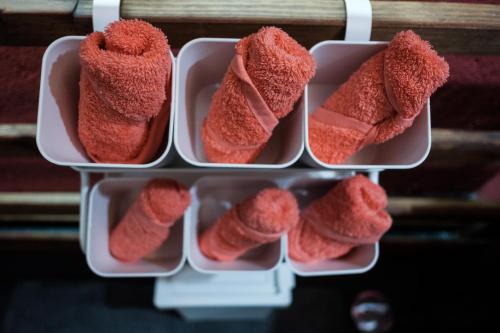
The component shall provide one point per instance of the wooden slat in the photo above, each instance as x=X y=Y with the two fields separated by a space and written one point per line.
x=450 y=27
x=436 y=15
x=398 y=206
x=40 y=234
x=39 y=198
x=457 y=148
x=313 y=12
x=447 y=139
x=322 y=12
x=17 y=131
x=49 y=221
x=40 y=218
x=38 y=22
x=440 y=207
x=33 y=7
x=473 y=147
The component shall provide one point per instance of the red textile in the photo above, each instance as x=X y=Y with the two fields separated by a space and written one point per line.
x=260 y=219
x=351 y=213
x=147 y=222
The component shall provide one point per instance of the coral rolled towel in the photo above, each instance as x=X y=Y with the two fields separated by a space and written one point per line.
x=258 y=220
x=265 y=79
x=124 y=83
x=146 y=225
x=379 y=101
x=350 y=214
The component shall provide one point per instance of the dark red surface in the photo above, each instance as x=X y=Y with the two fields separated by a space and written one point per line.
x=471 y=98
x=22 y=168
x=19 y=82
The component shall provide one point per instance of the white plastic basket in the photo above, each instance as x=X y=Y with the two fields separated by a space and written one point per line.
x=109 y=200
x=57 y=135
x=336 y=61
x=212 y=197
x=201 y=66
x=306 y=184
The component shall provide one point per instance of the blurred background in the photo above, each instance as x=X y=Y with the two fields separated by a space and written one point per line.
x=439 y=264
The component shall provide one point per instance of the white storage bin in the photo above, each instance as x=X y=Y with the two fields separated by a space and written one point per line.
x=211 y=198
x=201 y=66
x=108 y=202
x=358 y=260
x=57 y=135
x=212 y=194
x=336 y=61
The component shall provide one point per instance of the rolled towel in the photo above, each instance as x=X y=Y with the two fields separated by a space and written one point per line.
x=124 y=103
x=379 y=101
x=147 y=223
x=260 y=219
x=265 y=79
x=351 y=213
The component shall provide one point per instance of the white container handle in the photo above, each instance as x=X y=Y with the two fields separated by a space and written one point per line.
x=374 y=176
x=104 y=12
x=84 y=194
x=358 y=20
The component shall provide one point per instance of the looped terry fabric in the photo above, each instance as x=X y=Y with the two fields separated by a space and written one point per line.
x=146 y=224
x=350 y=214
x=260 y=219
x=264 y=80
x=385 y=94
x=256 y=105
x=124 y=102
x=253 y=98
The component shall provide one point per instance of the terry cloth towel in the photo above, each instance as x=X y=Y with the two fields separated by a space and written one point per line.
x=260 y=219
x=351 y=213
x=265 y=79
x=124 y=103
x=379 y=101
x=147 y=223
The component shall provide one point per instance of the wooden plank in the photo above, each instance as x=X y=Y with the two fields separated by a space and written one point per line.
x=474 y=147
x=458 y=148
x=442 y=207
x=442 y=139
x=60 y=7
x=444 y=15
x=39 y=218
x=447 y=139
x=398 y=206
x=320 y=12
x=38 y=22
x=17 y=131
x=450 y=27
x=313 y=12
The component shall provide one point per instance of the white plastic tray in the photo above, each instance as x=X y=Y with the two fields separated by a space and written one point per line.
x=212 y=197
x=359 y=260
x=57 y=135
x=108 y=202
x=336 y=61
x=201 y=66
